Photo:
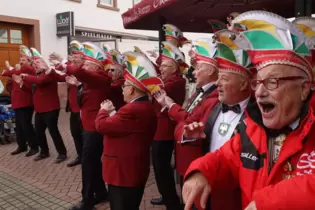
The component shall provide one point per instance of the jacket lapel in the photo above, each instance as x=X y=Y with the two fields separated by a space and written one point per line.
x=209 y=127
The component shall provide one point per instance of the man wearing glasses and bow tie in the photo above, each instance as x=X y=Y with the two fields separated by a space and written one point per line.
x=221 y=120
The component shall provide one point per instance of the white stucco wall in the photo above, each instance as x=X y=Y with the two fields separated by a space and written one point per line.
x=86 y=14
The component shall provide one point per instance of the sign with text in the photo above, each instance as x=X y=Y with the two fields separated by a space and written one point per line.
x=65 y=24
x=95 y=35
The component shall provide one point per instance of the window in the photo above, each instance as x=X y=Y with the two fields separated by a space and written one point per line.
x=16 y=37
x=108 y=4
x=136 y=1
x=4 y=36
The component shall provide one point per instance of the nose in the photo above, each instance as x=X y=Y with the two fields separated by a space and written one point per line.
x=218 y=83
x=261 y=91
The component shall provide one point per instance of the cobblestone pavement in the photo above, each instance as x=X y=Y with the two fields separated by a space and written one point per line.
x=29 y=185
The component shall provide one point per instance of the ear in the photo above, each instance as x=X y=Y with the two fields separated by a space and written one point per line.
x=305 y=90
x=244 y=85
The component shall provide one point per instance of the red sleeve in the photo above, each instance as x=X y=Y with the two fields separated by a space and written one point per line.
x=201 y=115
x=41 y=80
x=28 y=70
x=9 y=73
x=57 y=77
x=89 y=77
x=177 y=113
x=295 y=193
x=221 y=168
x=120 y=124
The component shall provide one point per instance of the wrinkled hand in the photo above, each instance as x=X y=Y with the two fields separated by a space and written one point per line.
x=107 y=105
x=152 y=53
x=23 y=75
x=196 y=185
x=7 y=65
x=162 y=98
x=194 y=131
x=251 y=206
x=55 y=56
x=72 y=80
x=17 y=79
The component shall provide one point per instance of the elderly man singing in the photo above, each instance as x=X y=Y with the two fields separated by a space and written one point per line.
x=271 y=155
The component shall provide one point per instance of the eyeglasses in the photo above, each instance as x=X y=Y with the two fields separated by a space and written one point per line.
x=123 y=86
x=111 y=70
x=271 y=83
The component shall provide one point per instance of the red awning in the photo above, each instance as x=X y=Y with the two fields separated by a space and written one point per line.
x=193 y=15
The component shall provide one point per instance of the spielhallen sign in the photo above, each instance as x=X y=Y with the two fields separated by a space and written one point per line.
x=65 y=24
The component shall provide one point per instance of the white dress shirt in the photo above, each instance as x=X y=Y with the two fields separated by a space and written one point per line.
x=229 y=117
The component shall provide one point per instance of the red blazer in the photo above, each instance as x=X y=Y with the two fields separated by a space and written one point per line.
x=72 y=96
x=127 y=140
x=21 y=96
x=175 y=88
x=45 y=96
x=115 y=93
x=186 y=153
x=312 y=100
x=96 y=87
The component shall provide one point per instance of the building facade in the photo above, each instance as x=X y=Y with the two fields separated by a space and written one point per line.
x=34 y=23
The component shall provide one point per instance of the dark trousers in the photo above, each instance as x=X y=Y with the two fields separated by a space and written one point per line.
x=49 y=120
x=125 y=198
x=164 y=174
x=77 y=132
x=25 y=134
x=92 y=180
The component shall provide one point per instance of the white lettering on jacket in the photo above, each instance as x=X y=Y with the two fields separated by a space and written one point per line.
x=306 y=161
x=247 y=155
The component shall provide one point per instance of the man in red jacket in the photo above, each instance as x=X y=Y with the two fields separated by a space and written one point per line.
x=163 y=144
x=221 y=119
x=205 y=97
x=128 y=134
x=22 y=104
x=96 y=86
x=73 y=85
x=115 y=70
x=47 y=107
x=271 y=155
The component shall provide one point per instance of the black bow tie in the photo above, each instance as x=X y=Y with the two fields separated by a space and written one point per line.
x=235 y=108
x=199 y=90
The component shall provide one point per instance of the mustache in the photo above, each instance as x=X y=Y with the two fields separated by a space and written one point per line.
x=263 y=100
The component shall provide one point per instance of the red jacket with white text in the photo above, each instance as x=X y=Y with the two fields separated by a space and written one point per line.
x=244 y=162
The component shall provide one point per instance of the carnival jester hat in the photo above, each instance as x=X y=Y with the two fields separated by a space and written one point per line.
x=140 y=72
x=231 y=53
x=216 y=25
x=25 y=52
x=171 y=52
x=236 y=26
x=307 y=26
x=205 y=51
x=116 y=57
x=174 y=35
x=36 y=54
x=76 y=47
x=275 y=40
x=94 y=54
x=106 y=48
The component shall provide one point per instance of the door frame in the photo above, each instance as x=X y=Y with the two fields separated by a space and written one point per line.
x=34 y=33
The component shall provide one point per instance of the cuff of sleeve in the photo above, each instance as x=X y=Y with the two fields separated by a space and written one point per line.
x=112 y=113
x=169 y=108
x=185 y=140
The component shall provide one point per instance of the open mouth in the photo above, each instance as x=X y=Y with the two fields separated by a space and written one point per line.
x=267 y=107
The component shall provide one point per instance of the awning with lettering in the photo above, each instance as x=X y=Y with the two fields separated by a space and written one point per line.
x=194 y=15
